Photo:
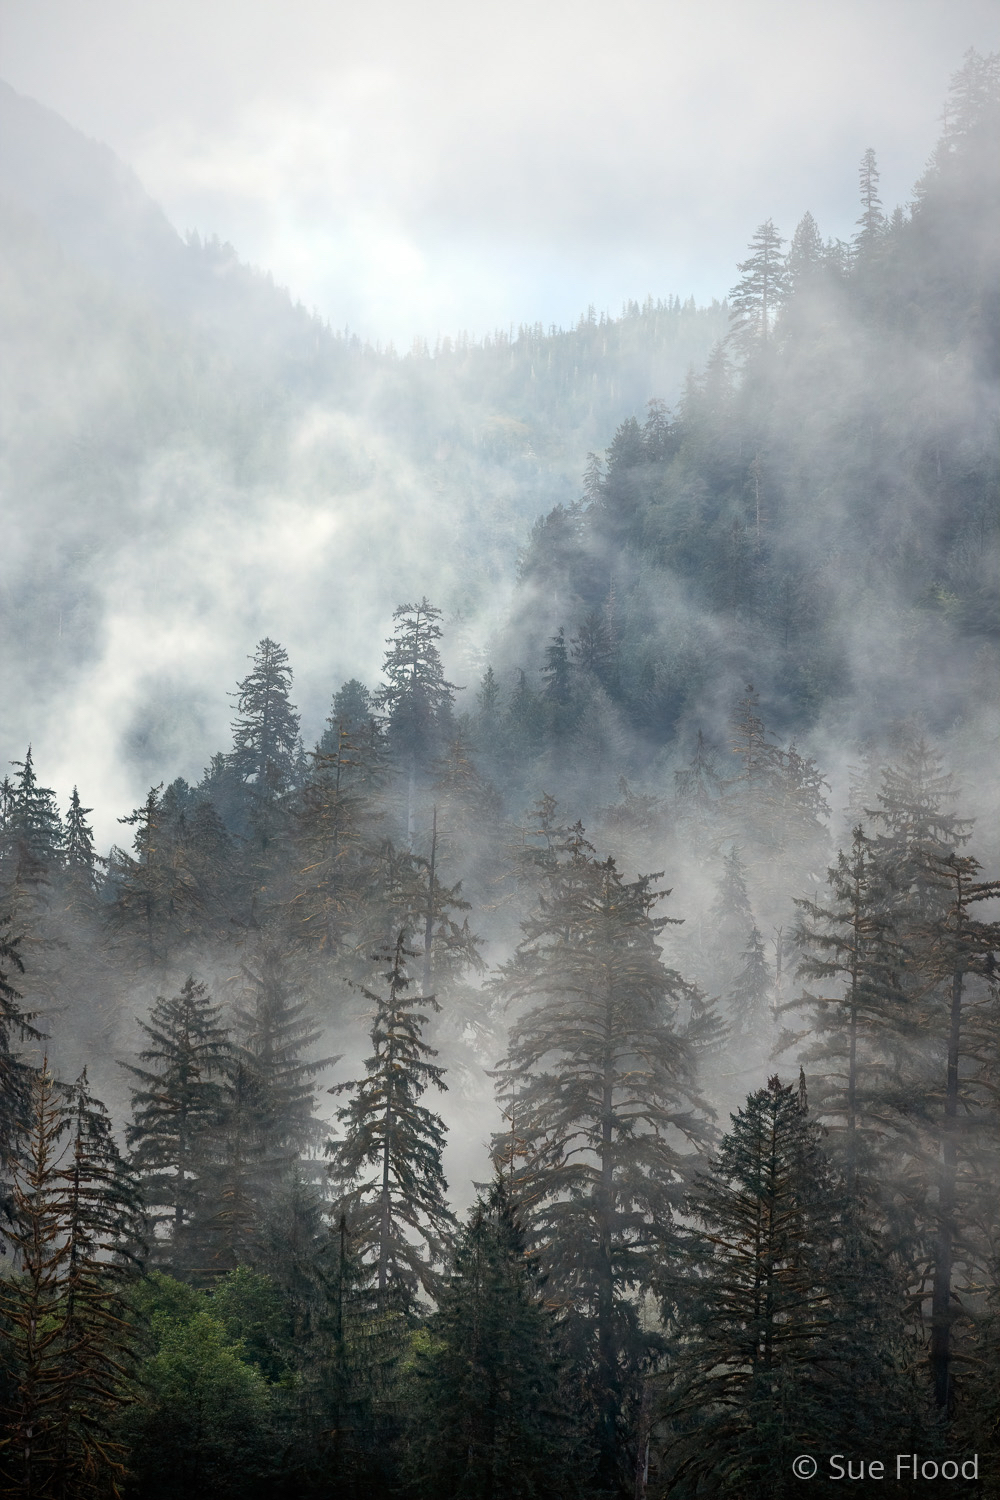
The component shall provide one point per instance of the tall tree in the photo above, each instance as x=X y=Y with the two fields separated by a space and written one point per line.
x=265 y=753
x=16 y=1075
x=600 y=1084
x=859 y=1023
x=758 y=295
x=177 y=1111
x=398 y=1215
x=67 y=1320
x=780 y=1345
x=416 y=697
x=490 y=1420
x=872 y=220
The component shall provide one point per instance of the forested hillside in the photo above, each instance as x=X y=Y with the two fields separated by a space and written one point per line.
x=576 y=1078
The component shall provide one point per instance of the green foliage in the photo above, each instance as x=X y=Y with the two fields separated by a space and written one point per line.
x=490 y=1416
x=204 y=1424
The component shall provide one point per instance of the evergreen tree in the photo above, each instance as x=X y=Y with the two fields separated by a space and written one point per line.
x=33 y=828
x=79 y=856
x=177 y=1111
x=788 y=1339
x=758 y=295
x=858 y=1031
x=730 y=920
x=600 y=1084
x=805 y=255
x=751 y=991
x=872 y=221
x=957 y=949
x=16 y=1074
x=266 y=728
x=67 y=1324
x=267 y=1127
x=416 y=697
x=386 y=1129
x=490 y=1420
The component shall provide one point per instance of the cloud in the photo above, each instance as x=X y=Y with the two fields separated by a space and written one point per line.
x=422 y=169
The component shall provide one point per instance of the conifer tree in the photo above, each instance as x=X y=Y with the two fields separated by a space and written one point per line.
x=415 y=697
x=177 y=1111
x=872 y=220
x=79 y=855
x=491 y=1421
x=751 y=991
x=956 y=950
x=266 y=728
x=385 y=1128
x=267 y=1127
x=67 y=1322
x=787 y=1336
x=859 y=1023
x=16 y=1074
x=33 y=830
x=601 y=1084
x=758 y=295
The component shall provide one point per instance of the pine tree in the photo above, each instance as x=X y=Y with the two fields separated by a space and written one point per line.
x=780 y=1346
x=416 y=697
x=266 y=729
x=730 y=919
x=490 y=1421
x=871 y=224
x=600 y=1084
x=67 y=1320
x=177 y=1111
x=758 y=295
x=16 y=1075
x=268 y=1129
x=751 y=990
x=386 y=1129
x=860 y=1029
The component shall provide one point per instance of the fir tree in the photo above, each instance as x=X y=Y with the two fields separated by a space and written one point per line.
x=600 y=1084
x=266 y=729
x=491 y=1420
x=850 y=947
x=67 y=1323
x=416 y=697
x=177 y=1111
x=386 y=1129
x=268 y=1128
x=758 y=295
x=16 y=1075
x=79 y=856
x=751 y=991
x=781 y=1345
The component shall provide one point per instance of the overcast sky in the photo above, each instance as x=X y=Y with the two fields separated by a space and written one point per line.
x=419 y=168
x=430 y=167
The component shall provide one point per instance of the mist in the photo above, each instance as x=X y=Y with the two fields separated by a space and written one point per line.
x=508 y=557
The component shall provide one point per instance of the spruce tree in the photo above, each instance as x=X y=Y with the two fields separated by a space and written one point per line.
x=752 y=990
x=266 y=727
x=33 y=830
x=600 y=1084
x=758 y=295
x=416 y=698
x=398 y=1216
x=859 y=1022
x=787 y=1329
x=491 y=1421
x=16 y=1075
x=177 y=1112
x=66 y=1318
x=268 y=1131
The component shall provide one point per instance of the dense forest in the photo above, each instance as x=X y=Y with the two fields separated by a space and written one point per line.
x=579 y=1079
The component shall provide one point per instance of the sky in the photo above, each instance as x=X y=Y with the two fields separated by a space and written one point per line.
x=425 y=169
